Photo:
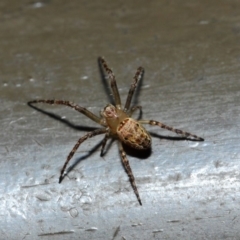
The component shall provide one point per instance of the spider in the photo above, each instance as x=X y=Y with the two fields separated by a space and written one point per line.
x=117 y=123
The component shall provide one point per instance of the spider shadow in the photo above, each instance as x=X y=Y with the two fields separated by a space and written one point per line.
x=109 y=92
x=130 y=151
x=140 y=154
x=80 y=159
x=69 y=124
x=137 y=153
x=64 y=121
x=144 y=154
x=174 y=138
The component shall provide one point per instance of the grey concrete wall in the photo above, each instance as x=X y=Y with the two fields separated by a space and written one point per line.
x=190 y=51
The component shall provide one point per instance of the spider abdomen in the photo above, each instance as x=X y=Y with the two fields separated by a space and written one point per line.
x=133 y=134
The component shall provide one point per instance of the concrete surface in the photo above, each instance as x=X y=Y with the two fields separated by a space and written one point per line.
x=191 y=55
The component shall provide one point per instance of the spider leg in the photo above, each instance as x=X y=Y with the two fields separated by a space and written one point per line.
x=136 y=78
x=128 y=170
x=71 y=105
x=82 y=139
x=113 y=82
x=178 y=131
x=104 y=143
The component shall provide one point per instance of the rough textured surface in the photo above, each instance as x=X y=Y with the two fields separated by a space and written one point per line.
x=190 y=51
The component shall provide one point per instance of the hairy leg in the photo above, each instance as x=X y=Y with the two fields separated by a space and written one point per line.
x=128 y=170
x=136 y=79
x=113 y=82
x=178 y=131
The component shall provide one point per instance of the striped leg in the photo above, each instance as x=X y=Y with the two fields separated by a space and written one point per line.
x=113 y=82
x=178 y=131
x=82 y=139
x=128 y=170
x=137 y=77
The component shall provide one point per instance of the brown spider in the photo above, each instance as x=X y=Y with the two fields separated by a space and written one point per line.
x=117 y=123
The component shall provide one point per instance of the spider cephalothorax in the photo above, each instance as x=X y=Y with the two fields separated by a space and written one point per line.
x=118 y=123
